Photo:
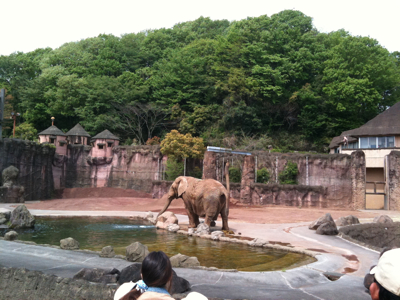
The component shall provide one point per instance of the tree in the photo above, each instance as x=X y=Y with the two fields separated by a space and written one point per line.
x=178 y=146
x=26 y=131
x=140 y=120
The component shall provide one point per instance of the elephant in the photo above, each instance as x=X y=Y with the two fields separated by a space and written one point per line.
x=202 y=198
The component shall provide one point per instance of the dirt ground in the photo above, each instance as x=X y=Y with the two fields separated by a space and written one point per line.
x=108 y=199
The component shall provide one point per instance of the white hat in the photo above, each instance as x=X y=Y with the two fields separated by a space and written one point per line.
x=387 y=272
x=195 y=296
x=123 y=290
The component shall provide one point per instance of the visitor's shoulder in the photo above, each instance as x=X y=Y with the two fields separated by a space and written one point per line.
x=154 y=296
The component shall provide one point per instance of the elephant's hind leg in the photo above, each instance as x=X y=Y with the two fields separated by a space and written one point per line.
x=193 y=220
x=224 y=217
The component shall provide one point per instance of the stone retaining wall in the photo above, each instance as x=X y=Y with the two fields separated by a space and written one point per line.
x=33 y=285
x=34 y=162
x=373 y=235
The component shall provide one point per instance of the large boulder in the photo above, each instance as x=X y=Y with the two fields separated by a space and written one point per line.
x=21 y=218
x=136 y=252
x=107 y=251
x=165 y=219
x=348 y=220
x=184 y=261
x=69 y=244
x=328 y=228
x=384 y=219
x=10 y=176
x=132 y=273
x=11 y=236
x=324 y=219
x=98 y=275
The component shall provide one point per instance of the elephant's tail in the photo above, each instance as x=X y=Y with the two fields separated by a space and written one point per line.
x=227 y=187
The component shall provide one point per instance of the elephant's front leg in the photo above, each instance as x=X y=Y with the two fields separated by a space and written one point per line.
x=193 y=220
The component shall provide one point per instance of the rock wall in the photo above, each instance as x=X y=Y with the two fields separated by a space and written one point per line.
x=332 y=180
x=23 y=284
x=34 y=162
x=393 y=180
x=129 y=167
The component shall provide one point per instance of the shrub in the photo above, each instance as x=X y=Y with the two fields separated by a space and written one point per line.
x=289 y=174
x=263 y=175
x=155 y=140
x=26 y=131
x=174 y=169
x=234 y=174
x=196 y=173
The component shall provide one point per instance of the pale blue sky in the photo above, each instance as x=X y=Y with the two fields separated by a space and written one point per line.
x=30 y=24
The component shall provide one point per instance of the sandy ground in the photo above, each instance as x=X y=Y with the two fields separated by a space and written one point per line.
x=237 y=213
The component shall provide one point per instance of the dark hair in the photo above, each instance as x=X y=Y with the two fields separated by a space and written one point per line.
x=384 y=294
x=156 y=272
x=156 y=269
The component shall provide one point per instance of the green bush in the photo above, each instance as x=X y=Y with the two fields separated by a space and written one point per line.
x=196 y=173
x=263 y=175
x=234 y=174
x=174 y=169
x=289 y=174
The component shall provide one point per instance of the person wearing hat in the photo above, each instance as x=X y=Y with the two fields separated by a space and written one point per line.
x=386 y=285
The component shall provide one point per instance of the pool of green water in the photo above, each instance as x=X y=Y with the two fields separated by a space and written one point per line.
x=95 y=233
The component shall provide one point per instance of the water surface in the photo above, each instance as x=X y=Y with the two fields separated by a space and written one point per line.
x=95 y=233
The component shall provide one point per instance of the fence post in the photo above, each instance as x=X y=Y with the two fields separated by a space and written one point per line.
x=2 y=100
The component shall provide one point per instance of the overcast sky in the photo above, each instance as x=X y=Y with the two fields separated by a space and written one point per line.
x=30 y=24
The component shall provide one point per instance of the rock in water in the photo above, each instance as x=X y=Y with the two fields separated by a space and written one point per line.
x=184 y=261
x=11 y=236
x=69 y=244
x=107 y=251
x=21 y=218
x=136 y=252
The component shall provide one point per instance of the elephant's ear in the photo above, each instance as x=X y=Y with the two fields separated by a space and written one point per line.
x=183 y=184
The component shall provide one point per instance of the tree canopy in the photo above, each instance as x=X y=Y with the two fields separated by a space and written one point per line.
x=213 y=79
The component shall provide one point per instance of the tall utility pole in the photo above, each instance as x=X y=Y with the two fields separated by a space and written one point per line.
x=2 y=100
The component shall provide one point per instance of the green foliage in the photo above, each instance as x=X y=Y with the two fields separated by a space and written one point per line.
x=196 y=172
x=26 y=131
x=178 y=146
x=235 y=174
x=289 y=174
x=174 y=169
x=263 y=175
x=128 y=142
x=255 y=82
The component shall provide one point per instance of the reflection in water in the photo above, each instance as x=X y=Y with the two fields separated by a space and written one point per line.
x=94 y=234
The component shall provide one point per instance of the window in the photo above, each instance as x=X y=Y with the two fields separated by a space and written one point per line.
x=350 y=146
x=109 y=144
x=52 y=140
x=100 y=146
x=377 y=142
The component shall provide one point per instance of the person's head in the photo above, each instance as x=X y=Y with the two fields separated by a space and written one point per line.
x=157 y=270
x=386 y=285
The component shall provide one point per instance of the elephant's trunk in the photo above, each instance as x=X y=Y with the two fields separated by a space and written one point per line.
x=227 y=186
x=168 y=202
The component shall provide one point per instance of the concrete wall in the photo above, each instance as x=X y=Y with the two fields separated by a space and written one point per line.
x=34 y=162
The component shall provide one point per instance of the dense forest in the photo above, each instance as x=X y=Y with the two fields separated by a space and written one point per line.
x=243 y=84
